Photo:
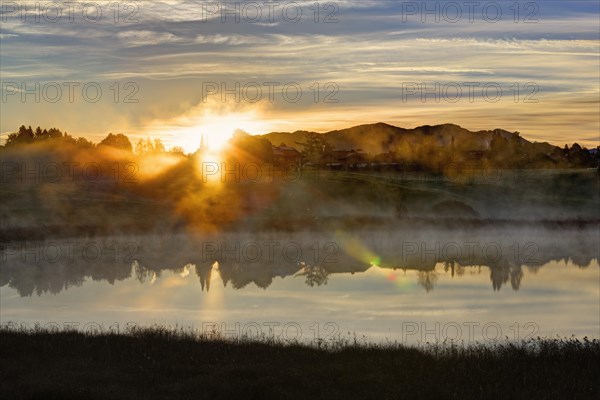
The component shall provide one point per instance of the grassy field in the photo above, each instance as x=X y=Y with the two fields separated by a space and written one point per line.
x=166 y=363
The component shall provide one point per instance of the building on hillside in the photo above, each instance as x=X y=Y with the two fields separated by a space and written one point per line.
x=346 y=157
x=475 y=155
x=286 y=156
x=389 y=158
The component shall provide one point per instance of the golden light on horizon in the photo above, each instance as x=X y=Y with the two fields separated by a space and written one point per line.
x=216 y=127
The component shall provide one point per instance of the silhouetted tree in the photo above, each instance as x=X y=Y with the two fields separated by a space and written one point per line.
x=148 y=146
x=159 y=147
x=22 y=136
x=54 y=133
x=245 y=147
x=118 y=141
x=178 y=150
x=84 y=143
x=315 y=147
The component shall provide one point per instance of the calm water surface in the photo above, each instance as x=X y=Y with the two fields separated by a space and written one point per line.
x=406 y=286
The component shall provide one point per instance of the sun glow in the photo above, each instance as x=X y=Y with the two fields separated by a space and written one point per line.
x=212 y=121
x=217 y=130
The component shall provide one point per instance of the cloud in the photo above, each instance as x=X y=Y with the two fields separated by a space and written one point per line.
x=145 y=38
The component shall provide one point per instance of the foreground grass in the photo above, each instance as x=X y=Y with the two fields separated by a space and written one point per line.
x=172 y=364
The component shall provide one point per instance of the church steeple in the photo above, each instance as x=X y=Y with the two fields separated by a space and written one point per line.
x=203 y=146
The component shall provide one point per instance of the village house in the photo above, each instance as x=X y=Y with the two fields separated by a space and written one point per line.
x=286 y=156
x=346 y=157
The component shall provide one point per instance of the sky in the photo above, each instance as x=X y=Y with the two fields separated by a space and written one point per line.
x=179 y=69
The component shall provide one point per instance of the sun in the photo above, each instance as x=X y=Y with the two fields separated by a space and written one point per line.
x=217 y=130
x=213 y=123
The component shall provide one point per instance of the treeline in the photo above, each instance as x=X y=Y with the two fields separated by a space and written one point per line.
x=53 y=136
x=28 y=136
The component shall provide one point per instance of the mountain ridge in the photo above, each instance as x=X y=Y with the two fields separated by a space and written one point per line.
x=379 y=137
x=431 y=145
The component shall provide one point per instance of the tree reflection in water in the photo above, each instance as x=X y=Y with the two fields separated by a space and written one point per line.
x=315 y=274
x=27 y=268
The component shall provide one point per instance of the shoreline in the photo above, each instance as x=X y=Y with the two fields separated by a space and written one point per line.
x=170 y=363
x=287 y=225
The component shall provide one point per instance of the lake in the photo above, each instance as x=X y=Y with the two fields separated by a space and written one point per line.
x=483 y=283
